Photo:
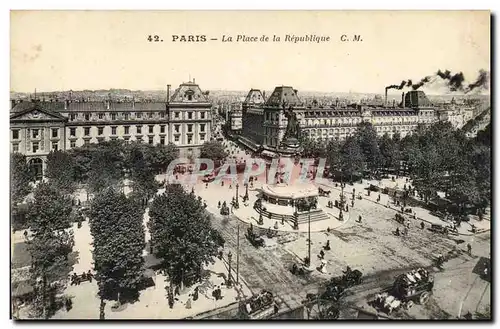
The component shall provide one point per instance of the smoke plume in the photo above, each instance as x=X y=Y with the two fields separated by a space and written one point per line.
x=454 y=82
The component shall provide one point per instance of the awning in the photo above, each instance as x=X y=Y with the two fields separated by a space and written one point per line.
x=268 y=154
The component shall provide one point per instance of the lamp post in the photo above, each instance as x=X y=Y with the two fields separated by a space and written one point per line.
x=229 y=256
x=238 y=255
x=237 y=202
x=309 y=235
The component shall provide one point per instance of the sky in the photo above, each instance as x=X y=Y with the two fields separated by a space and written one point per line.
x=63 y=50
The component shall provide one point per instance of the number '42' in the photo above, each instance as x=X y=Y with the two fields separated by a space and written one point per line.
x=154 y=38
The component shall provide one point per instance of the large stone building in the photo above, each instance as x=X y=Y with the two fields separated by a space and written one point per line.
x=264 y=121
x=39 y=126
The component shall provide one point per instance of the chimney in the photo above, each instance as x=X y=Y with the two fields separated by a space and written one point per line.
x=403 y=99
x=394 y=103
x=66 y=104
x=168 y=94
x=385 y=99
x=337 y=102
x=264 y=95
x=194 y=81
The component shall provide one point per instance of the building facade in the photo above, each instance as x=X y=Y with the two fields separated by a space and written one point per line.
x=264 y=123
x=40 y=126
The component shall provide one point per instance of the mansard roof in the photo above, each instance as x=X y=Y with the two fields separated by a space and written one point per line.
x=255 y=96
x=283 y=95
x=189 y=92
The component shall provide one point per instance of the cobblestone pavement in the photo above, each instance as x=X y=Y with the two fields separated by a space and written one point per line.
x=371 y=247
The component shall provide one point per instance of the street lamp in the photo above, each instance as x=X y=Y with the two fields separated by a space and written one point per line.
x=229 y=256
x=237 y=202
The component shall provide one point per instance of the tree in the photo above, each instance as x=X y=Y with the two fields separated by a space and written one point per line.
x=107 y=166
x=366 y=137
x=118 y=233
x=20 y=178
x=161 y=156
x=60 y=171
x=181 y=235
x=213 y=150
x=82 y=158
x=141 y=171
x=389 y=150
x=352 y=157
x=49 y=246
x=313 y=148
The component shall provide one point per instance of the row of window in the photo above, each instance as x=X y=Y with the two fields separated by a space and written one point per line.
x=35 y=133
x=126 y=130
x=36 y=146
x=128 y=116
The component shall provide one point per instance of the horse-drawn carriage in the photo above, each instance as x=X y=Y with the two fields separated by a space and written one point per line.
x=255 y=239
x=260 y=306
x=408 y=288
x=438 y=228
x=337 y=286
x=322 y=192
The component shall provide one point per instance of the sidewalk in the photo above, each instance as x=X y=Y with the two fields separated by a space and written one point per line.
x=421 y=213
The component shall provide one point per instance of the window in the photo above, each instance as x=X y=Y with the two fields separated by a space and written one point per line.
x=151 y=115
x=126 y=129
x=151 y=129
x=190 y=115
x=202 y=137
x=72 y=117
x=87 y=117
x=126 y=116
x=15 y=148
x=139 y=129
x=176 y=138
x=15 y=134
x=72 y=132
x=202 y=127
x=162 y=115
x=162 y=129
x=35 y=133
x=72 y=144
x=176 y=115
x=86 y=142
x=113 y=130
x=55 y=132
x=113 y=116
x=138 y=115
x=190 y=128
x=55 y=146
x=86 y=131
x=190 y=139
x=101 y=116
x=35 y=147
x=177 y=128
x=162 y=140
x=202 y=115
x=100 y=131
x=150 y=140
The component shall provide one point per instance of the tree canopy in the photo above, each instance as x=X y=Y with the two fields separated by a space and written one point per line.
x=118 y=234
x=181 y=234
x=213 y=150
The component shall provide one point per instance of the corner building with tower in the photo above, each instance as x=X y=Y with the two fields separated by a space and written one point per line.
x=39 y=126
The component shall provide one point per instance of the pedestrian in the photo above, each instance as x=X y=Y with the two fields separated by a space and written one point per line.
x=352 y=203
x=68 y=304
x=321 y=254
x=195 y=294
x=346 y=208
x=177 y=291
x=359 y=219
x=422 y=225
x=282 y=220
x=206 y=185
x=89 y=276
x=469 y=249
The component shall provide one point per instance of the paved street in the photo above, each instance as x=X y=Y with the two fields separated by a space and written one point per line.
x=371 y=247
